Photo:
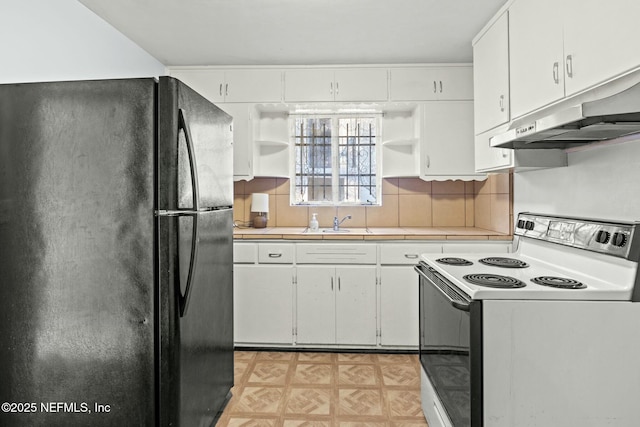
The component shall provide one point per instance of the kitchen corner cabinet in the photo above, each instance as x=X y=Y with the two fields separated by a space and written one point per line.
x=447 y=141
x=233 y=85
x=263 y=304
x=336 y=305
x=491 y=76
x=431 y=83
x=328 y=84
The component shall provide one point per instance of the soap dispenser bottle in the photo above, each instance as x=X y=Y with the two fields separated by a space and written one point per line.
x=313 y=224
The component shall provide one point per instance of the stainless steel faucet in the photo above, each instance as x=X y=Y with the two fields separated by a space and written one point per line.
x=336 y=223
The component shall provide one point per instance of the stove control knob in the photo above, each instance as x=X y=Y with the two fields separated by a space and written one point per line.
x=602 y=236
x=619 y=239
x=529 y=225
x=521 y=223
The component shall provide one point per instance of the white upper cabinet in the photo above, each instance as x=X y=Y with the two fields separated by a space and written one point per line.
x=327 y=84
x=491 y=76
x=431 y=83
x=558 y=49
x=601 y=41
x=233 y=85
x=242 y=140
x=447 y=141
x=536 y=54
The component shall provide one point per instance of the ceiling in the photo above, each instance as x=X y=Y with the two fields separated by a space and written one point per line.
x=300 y=32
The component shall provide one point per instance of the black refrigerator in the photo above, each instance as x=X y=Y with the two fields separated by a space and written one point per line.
x=115 y=254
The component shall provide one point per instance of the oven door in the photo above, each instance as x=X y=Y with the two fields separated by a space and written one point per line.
x=451 y=347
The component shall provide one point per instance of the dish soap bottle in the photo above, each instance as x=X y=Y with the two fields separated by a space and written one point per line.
x=313 y=224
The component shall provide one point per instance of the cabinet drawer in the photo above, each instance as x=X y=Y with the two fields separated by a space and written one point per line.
x=245 y=253
x=336 y=253
x=276 y=253
x=406 y=253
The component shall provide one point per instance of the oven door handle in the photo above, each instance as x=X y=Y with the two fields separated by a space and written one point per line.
x=461 y=303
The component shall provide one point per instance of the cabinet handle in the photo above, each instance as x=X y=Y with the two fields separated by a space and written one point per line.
x=337 y=88
x=502 y=103
x=440 y=86
x=428 y=162
x=220 y=89
x=331 y=88
x=556 y=77
x=505 y=153
x=569 y=63
x=411 y=256
x=434 y=86
x=332 y=283
x=338 y=283
x=226 y=89
x=274 y=255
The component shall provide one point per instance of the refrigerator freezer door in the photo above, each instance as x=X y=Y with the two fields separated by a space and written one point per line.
x=197 y=346
x=77 y=271
x=207 y=129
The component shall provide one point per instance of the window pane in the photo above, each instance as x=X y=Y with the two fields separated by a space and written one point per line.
x=357 y=154
x=313 y=160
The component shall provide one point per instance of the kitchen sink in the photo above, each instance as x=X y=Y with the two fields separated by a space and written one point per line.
x=330 y=230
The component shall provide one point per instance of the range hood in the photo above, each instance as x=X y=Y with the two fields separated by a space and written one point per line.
x=563 y=126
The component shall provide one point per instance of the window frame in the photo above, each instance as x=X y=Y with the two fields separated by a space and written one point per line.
x=335 y=155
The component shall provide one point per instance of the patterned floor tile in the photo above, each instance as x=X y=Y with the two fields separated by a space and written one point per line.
x=356 y=375
x=356 y=358
x=359 y=402
x=400 y=375
x=312 y=373
x=275 y=355
x=269 y=373
x=239 y=369
x=417 y=423
x=309 y=401
x=404 y=403
x=266 y=400
x=306 y=423
x=362 y=424
x=247 y=422
x=317 y=357
x=244 y=355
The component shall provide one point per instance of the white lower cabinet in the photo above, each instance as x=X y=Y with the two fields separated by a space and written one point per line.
x=398 y=306
x=336 y=305
x=263 y=304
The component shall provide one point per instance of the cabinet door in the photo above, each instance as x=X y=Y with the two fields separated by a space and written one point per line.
x=242 y=140
x=316 y=315
x=363 y=84
x=536 y=54
x=488 y=158
x=356 y=305
x=263 y=304
x=253 y=85
x=399 y=306
x=308 y=85
x=208 y=83
x=455 y=83
x=601 y=41
x=413 y=84
x=448 y=139
x=491 y=77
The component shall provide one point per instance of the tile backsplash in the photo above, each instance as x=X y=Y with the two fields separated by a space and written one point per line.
x=406 y=202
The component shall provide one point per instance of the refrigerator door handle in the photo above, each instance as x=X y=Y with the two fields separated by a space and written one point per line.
x=182 y=124
x=184 y=298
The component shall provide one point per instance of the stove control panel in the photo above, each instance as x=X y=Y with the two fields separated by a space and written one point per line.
x=611 y=238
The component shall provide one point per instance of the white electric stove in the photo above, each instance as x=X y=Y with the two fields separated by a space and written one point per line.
x=506 y=338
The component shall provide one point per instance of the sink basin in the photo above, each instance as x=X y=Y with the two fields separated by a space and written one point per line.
x=340 y=231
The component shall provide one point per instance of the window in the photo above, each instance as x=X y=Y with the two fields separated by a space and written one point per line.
x=335 y=160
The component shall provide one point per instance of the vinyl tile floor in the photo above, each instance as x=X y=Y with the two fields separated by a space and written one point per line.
x=292 y=389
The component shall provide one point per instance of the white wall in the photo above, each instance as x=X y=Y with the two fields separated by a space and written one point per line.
x=602 y=182
x=44 y=40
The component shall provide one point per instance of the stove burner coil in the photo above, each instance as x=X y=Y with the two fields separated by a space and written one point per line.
x=504 y=262
x=454 y=261
x=494 y=281
x=558 y=282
